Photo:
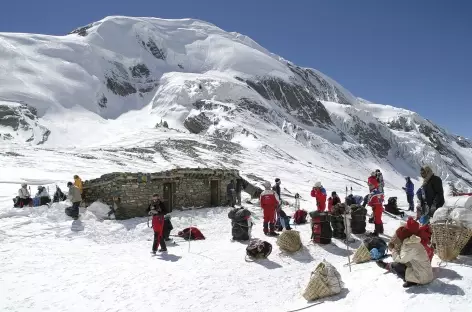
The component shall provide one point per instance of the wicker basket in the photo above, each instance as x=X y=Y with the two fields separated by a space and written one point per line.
x=361 y=255
x=325 y=281
x=289 y=241
x=449 y=237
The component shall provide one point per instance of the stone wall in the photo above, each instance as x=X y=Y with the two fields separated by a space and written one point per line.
x=132 y=192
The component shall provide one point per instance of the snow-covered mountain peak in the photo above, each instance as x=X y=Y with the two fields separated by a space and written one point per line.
x=123 y=75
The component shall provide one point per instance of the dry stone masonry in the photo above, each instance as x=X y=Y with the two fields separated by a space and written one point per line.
x=178 y=188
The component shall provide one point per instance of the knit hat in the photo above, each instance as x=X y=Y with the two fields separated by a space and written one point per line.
x=403 y=233
x=412 y=225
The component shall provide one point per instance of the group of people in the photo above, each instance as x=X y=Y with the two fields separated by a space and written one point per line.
x=410 y=247
x=42 y=197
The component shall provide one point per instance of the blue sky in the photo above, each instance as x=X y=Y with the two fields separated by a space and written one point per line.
x=415 y=54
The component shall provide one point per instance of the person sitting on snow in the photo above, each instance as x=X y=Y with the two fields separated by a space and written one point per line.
x=269 y=201
x=24 y=196
x=43 y=196
x=319 y=192
x=333 y=201
x=58 y=195
x=411 y=260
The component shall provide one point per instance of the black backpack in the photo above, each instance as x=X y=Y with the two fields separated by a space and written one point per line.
x=258 y=249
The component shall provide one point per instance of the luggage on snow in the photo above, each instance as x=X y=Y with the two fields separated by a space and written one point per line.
x=258 y=249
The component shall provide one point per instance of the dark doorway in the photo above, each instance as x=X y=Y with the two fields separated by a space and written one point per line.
x=169 y=195
x=215 y=192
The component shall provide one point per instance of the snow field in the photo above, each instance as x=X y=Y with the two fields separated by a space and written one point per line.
x=108 y=267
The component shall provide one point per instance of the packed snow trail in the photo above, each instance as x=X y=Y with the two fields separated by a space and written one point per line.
x=108 y=267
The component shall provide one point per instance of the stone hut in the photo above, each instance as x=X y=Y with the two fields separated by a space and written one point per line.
x=130 y=193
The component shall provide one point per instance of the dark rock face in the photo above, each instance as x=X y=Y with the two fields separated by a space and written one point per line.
x=21 y=117
x=14 y=117
x=117 y=81
x=81 y=31
x=139 y=71
x=295 y=99
x=155 y=50
x=102 y=102
x=370 y=136
x=401 y=124
x=198 y=123
x=322 y=89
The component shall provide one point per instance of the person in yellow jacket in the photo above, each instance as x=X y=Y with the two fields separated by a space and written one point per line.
x=78 y=183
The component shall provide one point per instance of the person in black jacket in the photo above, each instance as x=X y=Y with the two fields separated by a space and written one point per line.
x=157 y=210
x=433 y=193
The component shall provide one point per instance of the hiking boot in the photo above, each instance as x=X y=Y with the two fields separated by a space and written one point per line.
x=288 y=228
x=153 y=252
x=273 y=234
x=379 y=228
x=162 y=250
x=381 y=264
x=409 y=284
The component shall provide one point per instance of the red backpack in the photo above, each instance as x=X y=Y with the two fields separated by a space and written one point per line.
x=191 y=233
x=300 y=216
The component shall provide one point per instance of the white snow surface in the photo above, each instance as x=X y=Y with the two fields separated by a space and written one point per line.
x=107 y=267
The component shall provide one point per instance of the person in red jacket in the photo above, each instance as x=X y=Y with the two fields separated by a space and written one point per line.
x=375 y=201
x=319 y=193
x=333 y=201
x=269 y=202
x=157 y=210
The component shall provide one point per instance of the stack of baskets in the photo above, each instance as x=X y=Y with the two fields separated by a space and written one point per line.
x=449 y=237
x=289 y=241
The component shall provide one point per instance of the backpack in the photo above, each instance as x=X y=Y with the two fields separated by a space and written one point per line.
x=258 y=249
x=300 y=217
x=191 y=233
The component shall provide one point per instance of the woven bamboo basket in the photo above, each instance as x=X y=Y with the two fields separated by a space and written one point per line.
x=449 y=237
x=361 y=255
x=289 y=241
x=325 y=281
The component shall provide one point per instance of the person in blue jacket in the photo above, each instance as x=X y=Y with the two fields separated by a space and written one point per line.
x=410 y=193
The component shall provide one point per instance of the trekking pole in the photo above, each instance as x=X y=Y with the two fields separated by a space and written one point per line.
x=347 y=236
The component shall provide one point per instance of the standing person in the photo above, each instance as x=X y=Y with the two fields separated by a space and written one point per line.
x=375 y=201
x=333 y=201
x=319 y=192
x=269 y=201
x=24 y=196
x=410 y=193
x=231 y=193
x=433 y=194
x=75 y=198
x=277 y=190
x=157 y=210
x=78 y=183
x=239 y=189
x=380 y=179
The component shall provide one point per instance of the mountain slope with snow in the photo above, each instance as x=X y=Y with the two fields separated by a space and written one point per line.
x=123 y=74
